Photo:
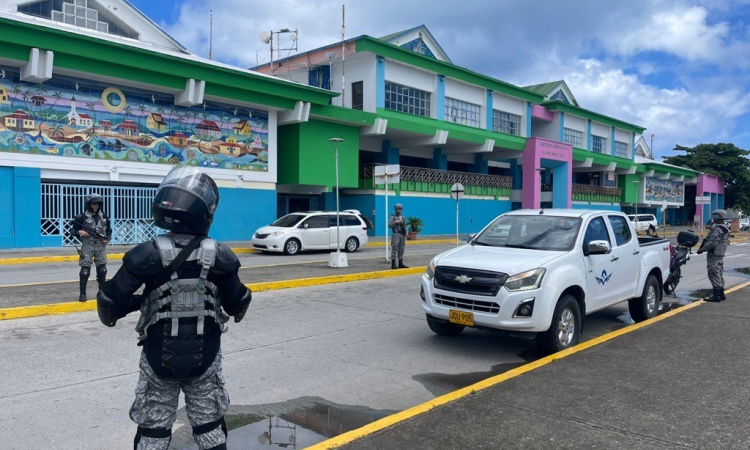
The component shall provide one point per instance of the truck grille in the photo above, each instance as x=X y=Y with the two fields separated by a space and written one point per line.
x=469 y=281
x=261 y=236
x=470 y=305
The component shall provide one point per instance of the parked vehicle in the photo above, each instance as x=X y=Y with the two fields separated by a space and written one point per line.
x=535 y=273
x=679 y=256
x=313 y=230
x=744 y=223
x=643 y=221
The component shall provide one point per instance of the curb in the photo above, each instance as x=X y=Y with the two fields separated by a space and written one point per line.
x=414 y=411
x=240 y=250
x=23 y=312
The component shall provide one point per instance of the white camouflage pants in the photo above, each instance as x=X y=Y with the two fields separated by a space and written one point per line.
x=398 y=243
x=155 y=405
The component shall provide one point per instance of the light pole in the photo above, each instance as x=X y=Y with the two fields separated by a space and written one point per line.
x=636 y=183
x=337 y=259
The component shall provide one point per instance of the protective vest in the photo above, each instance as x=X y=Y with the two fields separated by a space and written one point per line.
x=177 y=319
x=723 y=240
x=89 y=219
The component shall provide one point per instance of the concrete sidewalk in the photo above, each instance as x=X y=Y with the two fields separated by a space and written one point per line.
x=671 y=384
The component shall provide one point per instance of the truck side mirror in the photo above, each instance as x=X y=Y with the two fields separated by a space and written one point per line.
x=598 y=248
x=470 y=237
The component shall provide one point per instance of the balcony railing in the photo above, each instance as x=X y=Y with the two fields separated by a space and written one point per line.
x=590 y=193
x=419 y=179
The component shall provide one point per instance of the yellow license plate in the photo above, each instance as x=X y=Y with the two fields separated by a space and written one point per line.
x=461 y=317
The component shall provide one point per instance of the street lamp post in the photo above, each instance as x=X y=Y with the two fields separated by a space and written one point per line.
x=337 y=259
x=636 y=183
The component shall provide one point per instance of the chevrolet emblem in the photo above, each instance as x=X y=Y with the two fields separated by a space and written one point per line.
x=463 y=279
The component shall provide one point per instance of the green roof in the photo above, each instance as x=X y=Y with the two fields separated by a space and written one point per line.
x=544 y=88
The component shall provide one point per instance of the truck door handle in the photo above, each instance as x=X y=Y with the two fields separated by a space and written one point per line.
x=636 y=252
x=614 y=258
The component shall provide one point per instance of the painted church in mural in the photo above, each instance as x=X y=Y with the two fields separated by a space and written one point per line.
x=69 y=117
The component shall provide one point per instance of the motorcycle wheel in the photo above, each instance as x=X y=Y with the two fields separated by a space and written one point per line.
x=672 y=281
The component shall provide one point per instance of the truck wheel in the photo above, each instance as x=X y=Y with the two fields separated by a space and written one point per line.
x=565 y=330
x=647 y=305
x=444 y=328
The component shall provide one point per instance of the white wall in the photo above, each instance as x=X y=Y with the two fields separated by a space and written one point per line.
x=410 y=76
x=547 y=130
x=360 y=67
x=578 y=124
x=624 y=136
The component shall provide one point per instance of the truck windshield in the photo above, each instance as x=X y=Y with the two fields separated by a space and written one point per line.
x=533 y=232
x=287 y=221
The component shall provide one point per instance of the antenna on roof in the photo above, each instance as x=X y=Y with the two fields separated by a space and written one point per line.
x=211 y=34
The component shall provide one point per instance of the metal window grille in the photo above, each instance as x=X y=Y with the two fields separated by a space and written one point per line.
x=406 y=99
x=444 y=176
x=574 y=137
x=621 y=149
x=462 y=112
x=598 y=144
x=129 y=210
x=81 y=13
x=504 y=122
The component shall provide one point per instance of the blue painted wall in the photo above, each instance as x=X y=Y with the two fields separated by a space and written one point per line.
x=21 y=190
x=438 y=214
x=241 y=212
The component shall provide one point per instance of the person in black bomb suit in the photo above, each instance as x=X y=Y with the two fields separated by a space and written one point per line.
x=191 y=288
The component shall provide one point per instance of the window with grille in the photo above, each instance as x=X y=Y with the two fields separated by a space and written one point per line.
x=465 y=113
x=504 y=122
x=406 y=99
x=574 y=138
x=621 y=149
x=81 y=13
x=598 y=144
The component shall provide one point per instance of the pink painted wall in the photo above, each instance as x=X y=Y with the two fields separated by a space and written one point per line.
x=537 y=149
x=710 y=184
x=540 y=112
x=314 y=58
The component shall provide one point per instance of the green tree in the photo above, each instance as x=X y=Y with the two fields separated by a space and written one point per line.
x=723 y=160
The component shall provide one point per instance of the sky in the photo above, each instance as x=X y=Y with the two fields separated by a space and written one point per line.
x=680 y=68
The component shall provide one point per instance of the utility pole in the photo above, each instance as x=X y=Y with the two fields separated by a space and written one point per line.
x=211 y=35
x=343 y=54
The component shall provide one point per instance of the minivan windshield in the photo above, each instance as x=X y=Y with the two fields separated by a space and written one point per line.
x=535 y=232
x=288 y=221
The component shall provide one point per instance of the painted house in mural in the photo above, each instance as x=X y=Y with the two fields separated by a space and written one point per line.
x=208 y=129
x=3 y=95
x=242 y=127
x=156 y=123
x=19 y=121
x=76 y=119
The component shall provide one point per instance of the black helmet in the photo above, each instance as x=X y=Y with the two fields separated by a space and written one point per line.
x=719 y=216
x=185 y=201
x=94 y=198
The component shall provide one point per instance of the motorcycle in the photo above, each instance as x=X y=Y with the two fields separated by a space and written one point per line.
x=679 y=256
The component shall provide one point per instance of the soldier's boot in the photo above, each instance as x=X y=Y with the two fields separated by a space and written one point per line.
x=152 y=438
x=393 y=264
x=716 y=297
x=723 y=296
x=401 y=264
x=83 y=280
x=101 y=275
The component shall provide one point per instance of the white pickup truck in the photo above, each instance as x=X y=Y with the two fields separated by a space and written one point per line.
x=540 y=272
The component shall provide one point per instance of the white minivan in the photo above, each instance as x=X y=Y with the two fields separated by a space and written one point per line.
x=313 y=230
x=643 y=221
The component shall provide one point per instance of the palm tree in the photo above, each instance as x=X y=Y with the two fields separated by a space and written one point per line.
x=26 y=95
x=142 y=108
x=16 y=93
x=57 y=95
x=91 y=107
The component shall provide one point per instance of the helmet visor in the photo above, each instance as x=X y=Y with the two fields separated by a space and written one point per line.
x=194 y=181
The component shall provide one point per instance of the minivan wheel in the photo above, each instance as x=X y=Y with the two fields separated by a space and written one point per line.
x=352 y=244
x=292 y=247
x=647 y=305
x=565 y=330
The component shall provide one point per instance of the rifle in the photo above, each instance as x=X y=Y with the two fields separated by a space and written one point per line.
x=93 y=232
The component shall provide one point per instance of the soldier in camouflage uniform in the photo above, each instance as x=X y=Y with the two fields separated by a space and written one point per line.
x=191 y=288
x=93 y=242
x=397 y=223
x=715 y=245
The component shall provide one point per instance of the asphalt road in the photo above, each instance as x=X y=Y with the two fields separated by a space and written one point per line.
x=330 y=357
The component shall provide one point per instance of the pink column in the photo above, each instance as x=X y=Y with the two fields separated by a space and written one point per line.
x=537 y=149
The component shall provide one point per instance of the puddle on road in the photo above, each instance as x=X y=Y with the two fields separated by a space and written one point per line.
x=442 y=383
x=295 y=424
x=742 y=270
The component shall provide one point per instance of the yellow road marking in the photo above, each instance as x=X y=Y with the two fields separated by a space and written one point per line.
x=240 y=250
x=492 y=381
x=22 y=312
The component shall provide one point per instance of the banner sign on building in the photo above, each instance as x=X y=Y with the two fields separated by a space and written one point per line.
x=72 y=117
x=659 y=191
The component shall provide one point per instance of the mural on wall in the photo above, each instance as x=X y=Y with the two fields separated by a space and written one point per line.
x=84 y=119
x=658 y=191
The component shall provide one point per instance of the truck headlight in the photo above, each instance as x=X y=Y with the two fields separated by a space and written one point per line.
x=526 y=281
x=430 y=271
